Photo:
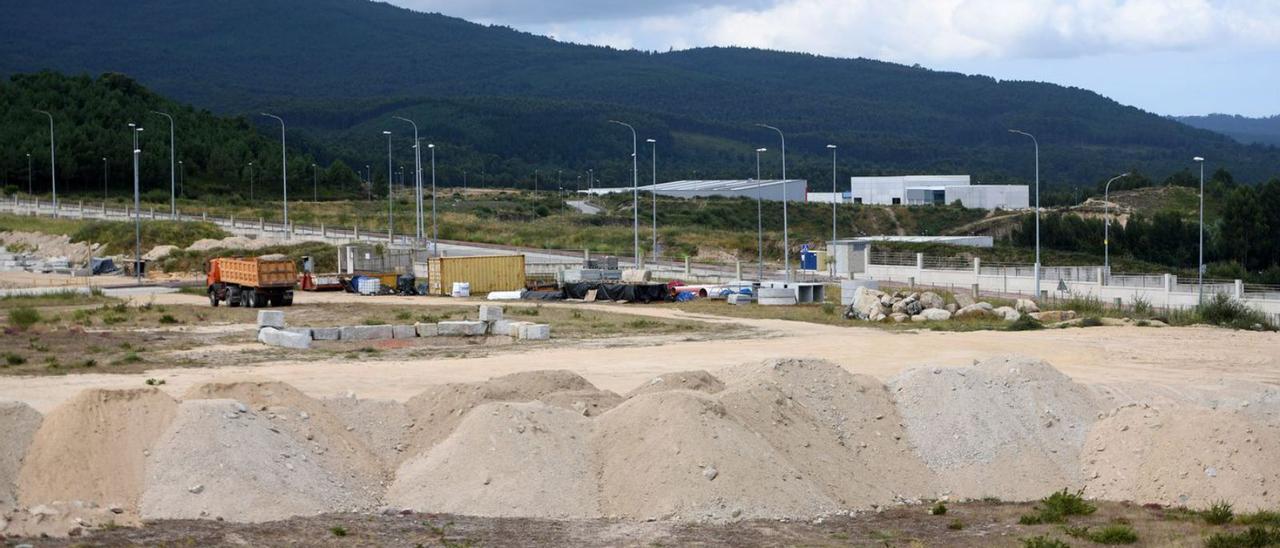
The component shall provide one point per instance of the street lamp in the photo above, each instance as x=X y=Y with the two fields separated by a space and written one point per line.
x=1106 y=227
x=284 y=172
x=591 y=177
x=654 y=190
x=173 y=184
x=417 y=175
x=1200 y=264
x=635 y=193
x=390 y=177
x=833 y=192
x=134 y=130
x=759 y=218
x=1037 y=147
x=182 y=178
x=53 y=165
x=435 y=227
x=29 y=190
x=250 y=181
x=104 y=178
x=315 y=184
x=786 y=247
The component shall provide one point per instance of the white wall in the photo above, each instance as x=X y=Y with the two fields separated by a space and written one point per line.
x=990 y=196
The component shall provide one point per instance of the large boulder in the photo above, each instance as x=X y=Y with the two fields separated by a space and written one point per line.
x=866 y=304
x=976 y=310
x=1008 y=313
x=952 y=307
x=930 y=299
x=964 y=299
x=1054 y=316
x=932 y=315
x=899 y=317
x=1026 y=306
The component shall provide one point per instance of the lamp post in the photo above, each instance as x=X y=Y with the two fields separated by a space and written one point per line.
x=654 y=191
x=284 y=173
x=53 y=164
x=759 y=218
x=1106 y=226
x=134 y=130
x=591 y=177
x=390 y=177
x=104 y=178
x=1037 y=148
x=173 y=179
x=368 y=182
x=250 y=181
x=786 y=247
x=182 y=179
x=635 y=193
x=435 y=227
x=833 y=192
x=29 y=189
x=1200 y=263
x=315 y=184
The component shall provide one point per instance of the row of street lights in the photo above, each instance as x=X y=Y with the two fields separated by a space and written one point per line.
x=419 y=190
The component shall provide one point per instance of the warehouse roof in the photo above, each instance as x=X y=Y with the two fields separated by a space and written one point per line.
x=703 y=186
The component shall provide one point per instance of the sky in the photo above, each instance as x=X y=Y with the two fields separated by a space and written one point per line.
x=1172 y=57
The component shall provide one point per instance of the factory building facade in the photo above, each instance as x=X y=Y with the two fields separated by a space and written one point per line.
x=929 y=189
x=792 y=190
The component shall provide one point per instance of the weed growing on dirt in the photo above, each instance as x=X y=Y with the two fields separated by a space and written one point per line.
x=641 y=323
x=829 y=308
x=1261 y=517
x=1090 y=321
x=955 y=525
x=155 y=382
x=168 y=319
x=939 y=509
x=14 y=359
x=1057 y=507
x=1085 y=305
x=24 y=317
x=1140 y=306
x=128 y=358
x=1115 y=533
x=1024 y=323
x=1255 y=536
x=403 y=315
x=1222 y=310
x=1041 y=541
x=527 y=311
x=374 y=321
x=338 y=531
x=88 y=363
x=1218 y=513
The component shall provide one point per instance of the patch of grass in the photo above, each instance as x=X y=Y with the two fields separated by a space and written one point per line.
x=1140 y=306
x=1255 y=536
x=24 y=317
x=1057 y=507
x=840 y=536
x=1084 y=305
x=1115 y=533
x=1224 y=311
x=338 y=531
x=128 y=358
x=1261 y=517
x=404 y=315
x=641 y=323
x=374 y=321
x=1024 y=323
x=1090 y=321
x=14 y=359
x=87 y=363
x=1218 y=513
x=526 y=310
x=939 y=509
x=155 y=382
x=168 y=319
x=829 y=308
x=1041 y=541
x=955 y=525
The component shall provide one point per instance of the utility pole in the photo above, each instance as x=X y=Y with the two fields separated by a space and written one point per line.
x=173 y=185
x=134 y=130
x=284 y=173
x=53 y=164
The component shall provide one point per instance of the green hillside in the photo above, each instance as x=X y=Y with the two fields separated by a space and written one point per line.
x=503 y=104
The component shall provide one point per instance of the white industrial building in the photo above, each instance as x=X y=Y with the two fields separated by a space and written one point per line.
x=849 y=254
x=928 y=189
x=794 y=190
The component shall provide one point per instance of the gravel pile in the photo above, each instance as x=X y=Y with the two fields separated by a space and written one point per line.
x=18 y=424
x=221 y=459
x=1184 y=456
x=505 y=459
x=383 y=425
x=48 y=246
x=93 y=448
x=701 y=381
x=1006 y=427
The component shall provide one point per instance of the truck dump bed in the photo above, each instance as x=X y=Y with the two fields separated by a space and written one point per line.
x=258 y=272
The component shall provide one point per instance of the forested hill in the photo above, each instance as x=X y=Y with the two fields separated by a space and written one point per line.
x=90 y=122
x=503 y=104
x=1241 y=128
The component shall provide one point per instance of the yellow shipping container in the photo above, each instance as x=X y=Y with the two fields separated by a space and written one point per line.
x=485 y=273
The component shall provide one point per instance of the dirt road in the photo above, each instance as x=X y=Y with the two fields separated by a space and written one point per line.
x=1149 y=361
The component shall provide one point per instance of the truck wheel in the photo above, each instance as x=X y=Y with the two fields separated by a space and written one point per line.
x=213 y=297
x=259 y=300
x=234 y=298
x=287 y=299
x=246 y=298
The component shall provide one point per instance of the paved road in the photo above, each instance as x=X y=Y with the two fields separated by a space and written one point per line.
x=583 y=207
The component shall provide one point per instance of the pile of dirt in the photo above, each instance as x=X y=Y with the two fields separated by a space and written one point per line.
x=701 y=381
x=48 y=246
x=220 y=459
x=241 y=242
x=93 y=448
x=383 y=425
x=505 y=459
x=1006 y=427
x=1184 y=457
x=18 y=424
x=159 y=252
x=679 y=455
x=438 y=409
x=840 y=430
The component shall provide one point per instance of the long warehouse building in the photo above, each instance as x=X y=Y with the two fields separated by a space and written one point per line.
x=775 y=190
x=929 y=189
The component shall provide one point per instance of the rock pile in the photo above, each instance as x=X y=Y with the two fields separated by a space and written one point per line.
x=902 y=306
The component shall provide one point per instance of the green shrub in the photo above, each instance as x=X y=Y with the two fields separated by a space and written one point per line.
x=1222 y=310
x=1085 y=305
x=1090 y=321
x=829 y=308
x=1024 y=323
x=1140 y=306
x=939 y=509
x=1115 y=533
x=1219 y=513
x=527 y=310
x=155 y=382
x=338 y=531
x=131 y=357
x=955 y=525
x=1255 y=536
x=14 y=359
x=1261 y=517
x=24 y=317
x=168 y=319
x=1042 y=541
x=1057 y=507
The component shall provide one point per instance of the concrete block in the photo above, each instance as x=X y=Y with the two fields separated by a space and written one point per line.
x=270 y=318
x=501 y=327
x=463 y=328
x=366 y=332
x=404 y=332
x=304 y=331
x=512 y=328
x=776 y=296
x=738 y=298
x=275 y=337
x=326 y=333
x=427 y=329
x=490 y=312
x=535 y=332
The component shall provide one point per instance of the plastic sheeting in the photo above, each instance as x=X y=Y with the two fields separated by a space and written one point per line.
x=642 y=293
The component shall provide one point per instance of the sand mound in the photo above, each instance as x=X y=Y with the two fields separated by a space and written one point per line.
x=18 y=424
x=679 y=455
x=220 y=459
x=438 y=410
x=588 y=403
x=505 y=459
x=683 y=380
x=159 y=252
x=93 y=447
x=48 y=246
x=241 y=242
x=1184 y=456
x=382 y=425
x=1012 y=427
x=840 y=430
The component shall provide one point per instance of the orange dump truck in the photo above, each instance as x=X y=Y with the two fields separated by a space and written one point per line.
x=252 y=282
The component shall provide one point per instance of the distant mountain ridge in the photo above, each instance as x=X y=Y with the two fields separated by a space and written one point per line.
x=1265 y=130
x=504 y=105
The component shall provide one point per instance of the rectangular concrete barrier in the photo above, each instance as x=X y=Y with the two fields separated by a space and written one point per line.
x=404 y=332
x=535 y=332
x=326 y=333
x=304 y=331
x=490 y=312
x=738 y=298
x=270 y=318
x=462 y=328
x=275 y=337
x=771 y=296
x=427 y=329
x=366 y=332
